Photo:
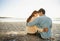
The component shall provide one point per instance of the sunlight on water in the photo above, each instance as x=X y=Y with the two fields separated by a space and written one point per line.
x=23 y=20
x=12 y=20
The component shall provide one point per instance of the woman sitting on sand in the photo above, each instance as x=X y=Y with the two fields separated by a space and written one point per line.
x=33 y=29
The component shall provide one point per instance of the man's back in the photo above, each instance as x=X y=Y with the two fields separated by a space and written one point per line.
x=45 y=22
x=42 y=22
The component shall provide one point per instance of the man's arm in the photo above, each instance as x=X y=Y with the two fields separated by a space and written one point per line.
x=33 y=22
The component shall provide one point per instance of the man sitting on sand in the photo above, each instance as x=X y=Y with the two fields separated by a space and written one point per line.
x=42 y=22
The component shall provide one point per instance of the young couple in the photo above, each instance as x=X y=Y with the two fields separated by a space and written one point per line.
x=38 y=22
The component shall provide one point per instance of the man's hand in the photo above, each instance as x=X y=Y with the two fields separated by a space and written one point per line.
x=45 y=30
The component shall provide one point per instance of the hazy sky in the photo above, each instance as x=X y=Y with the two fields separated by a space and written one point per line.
x=23 y=8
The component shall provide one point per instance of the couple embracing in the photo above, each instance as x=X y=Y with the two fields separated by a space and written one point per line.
x=38 y=23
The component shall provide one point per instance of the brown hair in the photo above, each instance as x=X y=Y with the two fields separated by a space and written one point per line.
x=34 y=12
x=42 y=10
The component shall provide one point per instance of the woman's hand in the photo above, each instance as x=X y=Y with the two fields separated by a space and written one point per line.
x=40 y=29
x=45 y=30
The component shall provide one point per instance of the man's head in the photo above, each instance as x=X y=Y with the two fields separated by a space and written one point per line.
x=41 y=12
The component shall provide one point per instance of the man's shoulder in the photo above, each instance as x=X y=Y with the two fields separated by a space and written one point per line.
x=49 y=19
x=46 y=18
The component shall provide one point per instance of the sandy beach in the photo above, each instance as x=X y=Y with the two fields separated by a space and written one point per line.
x=15 y=31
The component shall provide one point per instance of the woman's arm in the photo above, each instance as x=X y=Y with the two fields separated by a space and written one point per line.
x=39 y=29
x=42 y=30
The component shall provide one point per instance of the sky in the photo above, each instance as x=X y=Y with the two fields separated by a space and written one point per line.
x=24 y=8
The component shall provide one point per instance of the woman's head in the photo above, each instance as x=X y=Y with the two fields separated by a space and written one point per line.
x=34 y=14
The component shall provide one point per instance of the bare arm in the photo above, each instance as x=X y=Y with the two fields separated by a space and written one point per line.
x=42 y=30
